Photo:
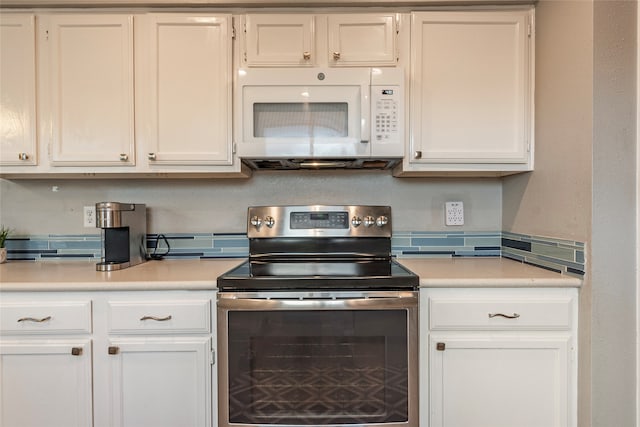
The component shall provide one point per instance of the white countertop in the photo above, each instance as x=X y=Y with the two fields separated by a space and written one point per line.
x=82 y=275
x=202 y=274
x=484 y=272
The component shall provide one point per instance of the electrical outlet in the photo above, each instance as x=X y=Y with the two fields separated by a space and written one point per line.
x=89 y=216
x=454 y=213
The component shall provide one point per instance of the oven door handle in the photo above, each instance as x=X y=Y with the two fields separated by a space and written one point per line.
x=378 y=303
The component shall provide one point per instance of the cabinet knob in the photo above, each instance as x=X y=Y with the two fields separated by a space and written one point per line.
x=306 y=56
x=336 y=56
x=417 y=155
x=151 y=156
x=23 y=156
x=124 y=157
x=76 y=351
x=113 y=350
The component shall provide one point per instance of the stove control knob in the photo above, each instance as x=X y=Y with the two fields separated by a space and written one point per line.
x=356 y=221
x=382 y=221
x=256 y=221
x=269 y=221
x=369 y=221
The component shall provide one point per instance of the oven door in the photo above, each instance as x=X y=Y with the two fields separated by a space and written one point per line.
x=318 y=359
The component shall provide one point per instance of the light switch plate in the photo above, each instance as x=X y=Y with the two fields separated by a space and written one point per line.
x=454 y=213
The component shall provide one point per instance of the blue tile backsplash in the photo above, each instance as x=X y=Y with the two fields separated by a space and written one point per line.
x=562 y=256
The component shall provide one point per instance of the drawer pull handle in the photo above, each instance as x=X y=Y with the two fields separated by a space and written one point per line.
x=157 y=319
x=33 y=319
x=506 y=316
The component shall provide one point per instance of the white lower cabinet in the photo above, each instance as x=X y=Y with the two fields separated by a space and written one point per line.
x=107 y=359
x=45 y=361
x=498 y=357
x=160 y=381
x=488 y=357
x=43 y=383
x=159 y=359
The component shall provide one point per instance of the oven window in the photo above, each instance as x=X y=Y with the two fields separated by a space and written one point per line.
x=318 y=367
x=299 y=119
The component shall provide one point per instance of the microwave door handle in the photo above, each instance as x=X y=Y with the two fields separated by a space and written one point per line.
x=365 y=113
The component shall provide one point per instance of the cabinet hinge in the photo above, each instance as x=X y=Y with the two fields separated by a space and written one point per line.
x=233 y=148
x=212 y=357
x=233 y=32
x=528 y=146
x=529 y=29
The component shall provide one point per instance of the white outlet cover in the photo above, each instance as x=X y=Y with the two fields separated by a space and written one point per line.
x=454 y=213
x=89 y=216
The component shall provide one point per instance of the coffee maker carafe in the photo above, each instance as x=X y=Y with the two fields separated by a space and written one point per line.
x=124 y=234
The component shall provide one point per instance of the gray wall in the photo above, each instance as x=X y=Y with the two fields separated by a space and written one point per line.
x=32 y=207
x=614 y=215
x=555 y=199
x=584 y=185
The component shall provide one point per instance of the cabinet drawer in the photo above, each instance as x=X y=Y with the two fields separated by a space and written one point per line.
x=160 y=317
x=500 y=314
x=46 y=317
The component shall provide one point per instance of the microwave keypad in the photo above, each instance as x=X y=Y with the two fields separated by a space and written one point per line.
x=386 y=115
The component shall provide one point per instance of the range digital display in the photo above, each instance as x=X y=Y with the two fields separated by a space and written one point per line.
x=326 y=220
x=319 y=216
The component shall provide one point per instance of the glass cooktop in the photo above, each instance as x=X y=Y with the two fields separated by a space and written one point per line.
x=255 y=275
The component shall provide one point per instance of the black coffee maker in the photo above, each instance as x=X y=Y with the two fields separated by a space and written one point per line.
x=124 y=234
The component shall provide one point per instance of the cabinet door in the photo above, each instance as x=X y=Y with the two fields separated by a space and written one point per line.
x=470 y=87
x=280 y=40
x=190 y=89
x=362 y=39
x=159 y=382
x=499 y=380
x=45 y=383
x=89 y=81
x=17 y=90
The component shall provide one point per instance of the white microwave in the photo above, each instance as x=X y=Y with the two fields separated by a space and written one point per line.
x=295 y=117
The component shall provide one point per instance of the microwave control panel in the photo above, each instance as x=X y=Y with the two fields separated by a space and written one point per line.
x=385 y=107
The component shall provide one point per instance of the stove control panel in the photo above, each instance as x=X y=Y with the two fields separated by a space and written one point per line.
x=319 y=221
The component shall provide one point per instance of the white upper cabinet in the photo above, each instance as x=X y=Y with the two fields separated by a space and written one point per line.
x=362 y=39
x=301 y=40
x=88 y=69
x=279 y=40
x=471 y=92
x=17 y=89
x=188 y=89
